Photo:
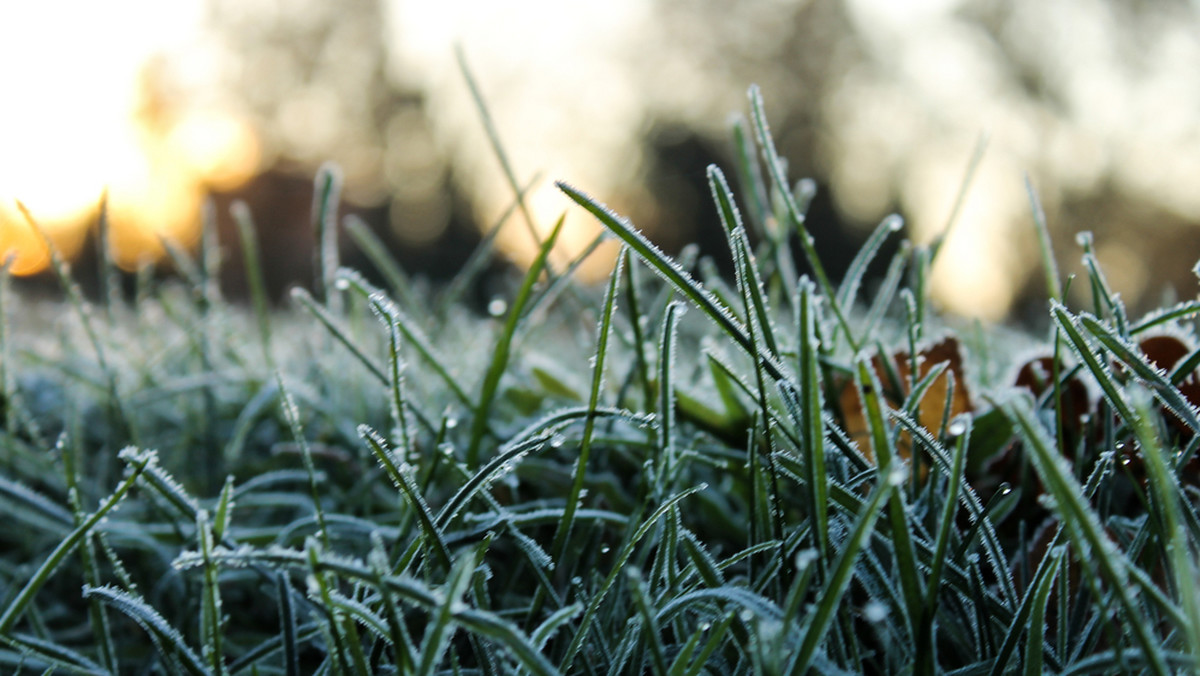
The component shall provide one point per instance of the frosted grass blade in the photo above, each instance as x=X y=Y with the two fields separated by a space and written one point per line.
x=500 y=354
x=137 y=462
x=1084 y=527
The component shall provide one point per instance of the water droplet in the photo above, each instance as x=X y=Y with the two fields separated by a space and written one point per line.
x=446 y=450
x=1084 y=239
x=576 y=581
x=583 y=493
x=705 y=626
x=895 y=223
x=341 y=284
x=604 y=549
x=1004 y=489
x=557 y=441
x=898 y=475
x=497 y=307
x=957 y=428
x=875 y=611
x=451 y=423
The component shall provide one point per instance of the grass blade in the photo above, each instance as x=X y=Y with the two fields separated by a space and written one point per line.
x=137 y=462
x=500 y=354
x=1083 y=526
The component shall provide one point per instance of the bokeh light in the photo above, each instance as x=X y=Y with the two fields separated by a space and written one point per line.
x=164 y=104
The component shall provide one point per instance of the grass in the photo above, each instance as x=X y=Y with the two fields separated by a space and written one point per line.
x=675 y=476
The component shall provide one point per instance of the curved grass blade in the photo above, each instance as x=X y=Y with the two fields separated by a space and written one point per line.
x=437 y=635
x=137 y=462
x=292 y=414
x=847 y=293
x=675 y=275
x=167 y=638
x=961 y=197
x=1151 y=375
x=401 y=476
x=405 y=588
x=392 y=315
x=1083 y=526
x=1166 y=492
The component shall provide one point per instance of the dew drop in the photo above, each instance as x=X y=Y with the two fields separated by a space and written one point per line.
x=895 y=223
x=583 y=493
x=497 y=307
x=341 y=284
x=557 y=441
x=898 y=475
x=446 y=450
x=1004 y=489
x=604 y=549
x=957 y=428
x=705 y=626
x=576 y=581
x=451 y=423
x=1084 y=239
x=875 y=611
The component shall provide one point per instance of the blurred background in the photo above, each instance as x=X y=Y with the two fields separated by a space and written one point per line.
x=167 y=105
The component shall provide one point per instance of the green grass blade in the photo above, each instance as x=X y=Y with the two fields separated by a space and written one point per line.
x=1166 y=494
x=401 y=475
x=1049 y=265
x=674 y=274
x=847 y=293
x=749 y=279
x=211 y=615
x=961 y=197
x=842 y=570
x=805 y=404
x=392 y=315
x=584 y=629
x=1084 y=527
x=1037 y=625
x=381 y=257
x=287 y=621
x=168 y=639
x=795 y=213
x=485 y=117
x=252 y=262
x=437 y=635
x=871 y=394
x=327 y=192
x=482 y=255
x=1151 y=375
x=925 y=635
x=503 y=348
x=558 y=547
x=292 y=415
x=137 y=462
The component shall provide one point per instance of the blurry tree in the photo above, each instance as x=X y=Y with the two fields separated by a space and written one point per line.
x=882 y=103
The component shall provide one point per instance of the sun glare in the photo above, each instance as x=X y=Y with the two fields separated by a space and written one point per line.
x=81 y=119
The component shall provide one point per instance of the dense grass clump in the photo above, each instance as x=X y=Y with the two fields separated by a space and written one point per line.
x=678 y=475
